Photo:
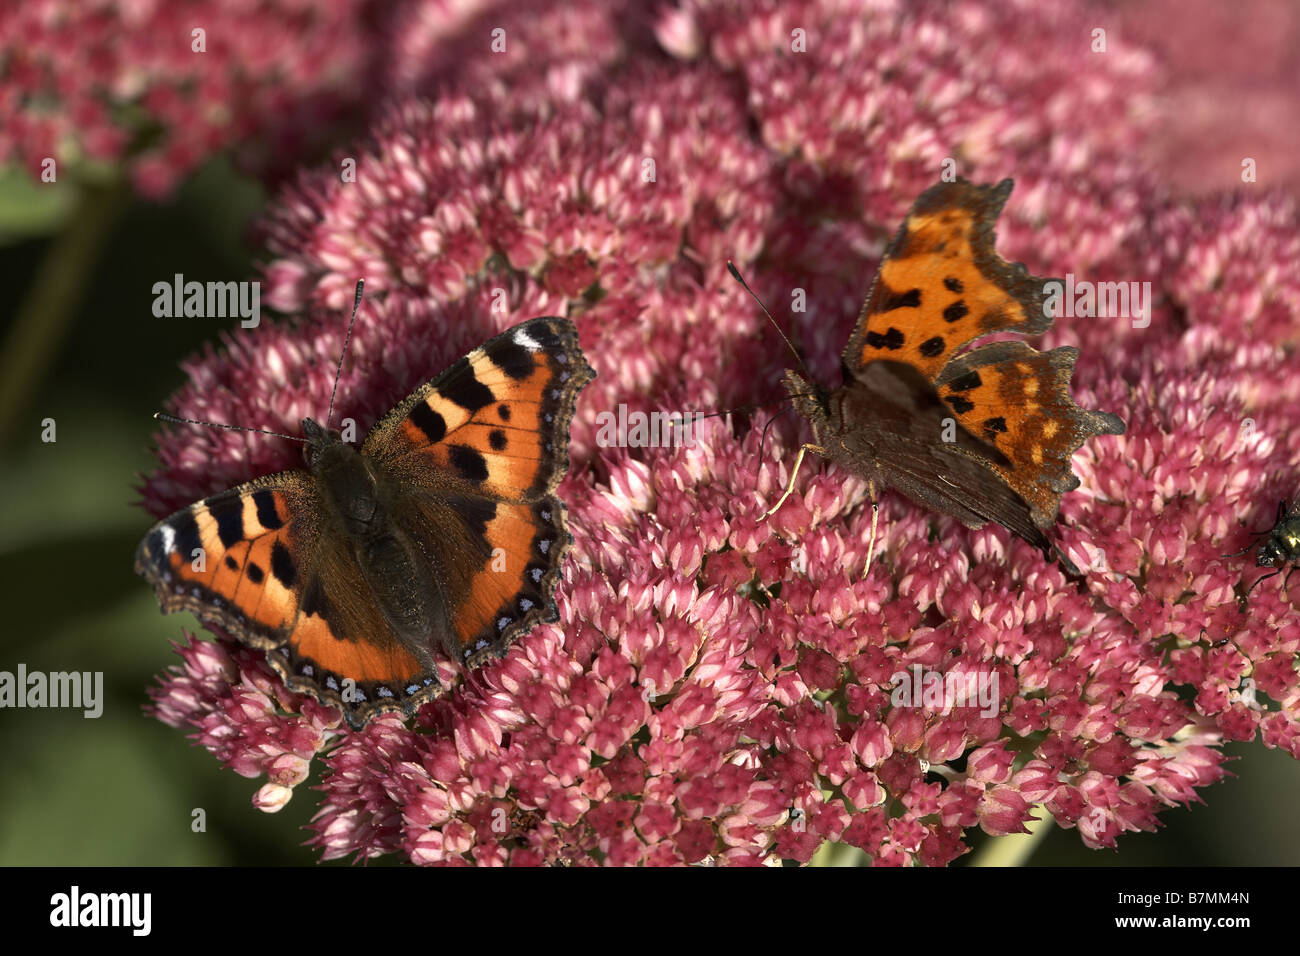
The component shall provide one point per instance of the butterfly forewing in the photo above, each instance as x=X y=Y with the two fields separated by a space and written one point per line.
x=230 y=557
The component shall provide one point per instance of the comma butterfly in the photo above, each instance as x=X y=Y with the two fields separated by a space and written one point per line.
x=981 y=435
x=441 y=533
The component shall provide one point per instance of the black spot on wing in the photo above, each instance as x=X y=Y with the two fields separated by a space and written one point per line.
x=542 y=334
x=953 y=284
x=931 y=348
x=497 y=439
x=229 y=515
x=156 y=547
x=428 y=421
x=955 y=312
x=475 y=512
x=468 y=462
x=998 y=424
x=314 y=600
x=965 y=383
x=255 y=573
x=503 y=412
x=511 y=357
x=283 y=566
x=464 y=389
x=231 y=563
x=892 y=340
x=910 y=299
x=960 y=405
x=187 y=533
x=267 y=516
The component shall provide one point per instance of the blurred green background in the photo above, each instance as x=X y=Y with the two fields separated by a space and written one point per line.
x=121 y=789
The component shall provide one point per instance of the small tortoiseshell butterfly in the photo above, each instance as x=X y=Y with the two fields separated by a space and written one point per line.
x=441 y=533
x=981 y=435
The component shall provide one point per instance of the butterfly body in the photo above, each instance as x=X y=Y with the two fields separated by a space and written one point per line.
x=982 y=434
x=440 y=534
x=358 y=504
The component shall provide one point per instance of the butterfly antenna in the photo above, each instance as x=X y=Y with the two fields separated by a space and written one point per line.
x=763 y=444
x=735 y=274
x=164 y=417
x=356 y=304
x=739 y=408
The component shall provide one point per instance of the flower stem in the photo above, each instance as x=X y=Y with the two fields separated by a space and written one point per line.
x=1015 y=849
x=47 y=309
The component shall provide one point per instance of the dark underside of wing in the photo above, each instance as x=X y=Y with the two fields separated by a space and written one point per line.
x=894 y=431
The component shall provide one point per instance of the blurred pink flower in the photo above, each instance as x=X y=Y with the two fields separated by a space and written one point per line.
x=725 y=688
x=1227 y=90
x=134 y=83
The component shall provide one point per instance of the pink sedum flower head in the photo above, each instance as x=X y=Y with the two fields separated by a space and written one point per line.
x=160 y=86
x=721 y=687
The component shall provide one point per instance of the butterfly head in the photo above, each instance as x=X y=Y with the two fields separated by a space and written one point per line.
x=813 y=401
x=322 y=443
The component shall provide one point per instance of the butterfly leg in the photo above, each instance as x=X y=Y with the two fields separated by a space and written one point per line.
x=790 y=485
x=875 y=518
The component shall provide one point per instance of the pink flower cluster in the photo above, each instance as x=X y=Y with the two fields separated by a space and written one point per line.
x=104 y=81
x=721 y=687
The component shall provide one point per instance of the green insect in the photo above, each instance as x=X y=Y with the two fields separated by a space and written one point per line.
x=1283 y=545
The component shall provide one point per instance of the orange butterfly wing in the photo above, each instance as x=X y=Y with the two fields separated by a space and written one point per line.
x=491 y=434
x=465 y=468
x=245 y=561
x=941 y=286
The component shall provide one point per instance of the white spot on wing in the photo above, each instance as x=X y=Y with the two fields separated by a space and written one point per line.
x=168 y=539
x=526 y=340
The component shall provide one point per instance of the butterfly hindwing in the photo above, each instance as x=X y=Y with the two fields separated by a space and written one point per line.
x=883 y=428
x=499 y=572
x=1016 y=400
